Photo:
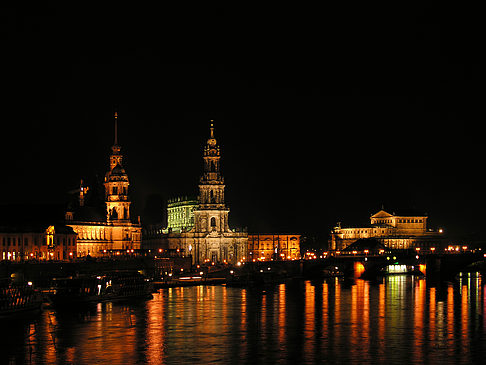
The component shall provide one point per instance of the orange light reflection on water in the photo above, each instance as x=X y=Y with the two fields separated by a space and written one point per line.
x=381 y=319
x=484 y=306
x=464 y=316
x=225 y=309
x=418 y=319
x=432 y=315
x=337 y=311
x=355 y=341
x=244 y=322
x=281 y=315
x=325 y=311
x=366 y=315
x=309 y=320
x=450 y=317
x=399 y=319
x=156 y=330
x=360 y=319
x=263 y=314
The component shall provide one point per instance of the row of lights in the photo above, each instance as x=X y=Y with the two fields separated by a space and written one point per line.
x=418 y=249
x=263 y=258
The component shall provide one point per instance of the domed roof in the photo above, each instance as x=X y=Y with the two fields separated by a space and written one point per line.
x=118 y=170
x=117 y=173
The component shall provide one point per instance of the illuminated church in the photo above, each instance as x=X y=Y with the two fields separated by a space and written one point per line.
x=106 y=229
x=209 y=238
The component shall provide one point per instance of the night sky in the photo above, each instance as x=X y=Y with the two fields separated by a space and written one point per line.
x=322 y=115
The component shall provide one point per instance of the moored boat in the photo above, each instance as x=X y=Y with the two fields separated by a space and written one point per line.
x=18 y=299
x=111 y=286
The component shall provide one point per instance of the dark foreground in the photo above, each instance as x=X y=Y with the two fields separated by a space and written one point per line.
x=397 y=320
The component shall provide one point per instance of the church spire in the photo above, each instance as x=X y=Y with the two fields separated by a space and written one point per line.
x=116 y=156
x=116 y=129
x=116 y=184
x=211 y=141
x=211 y=183
x=211 y=157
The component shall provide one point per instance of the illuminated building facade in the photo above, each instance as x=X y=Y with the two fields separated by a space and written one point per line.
x=405 y=230
x=211 y=239
x=180 y=214
x=264 y=247
x=102 y=231
x=54 y=242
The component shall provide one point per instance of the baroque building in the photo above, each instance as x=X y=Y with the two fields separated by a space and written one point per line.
x=265 y=247
x=402 y=230
x=210 y=239
x=180 y=214
x=37 y=242
x=106 y=229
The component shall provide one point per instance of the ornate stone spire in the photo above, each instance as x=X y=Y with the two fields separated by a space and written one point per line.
x=211 y=158
x=116 y=184
x=211 y=184
x=116 y=129
x=212 y=143
x=116 y=156
x=212 y=140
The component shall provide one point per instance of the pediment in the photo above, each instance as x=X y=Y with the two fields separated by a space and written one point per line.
x=213 y=234
x=382 y=214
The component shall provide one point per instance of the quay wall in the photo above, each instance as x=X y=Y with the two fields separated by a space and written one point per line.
x=40 y=273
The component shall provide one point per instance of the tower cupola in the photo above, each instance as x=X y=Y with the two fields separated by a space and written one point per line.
x=116 y=156
x=211 y=157
x=116 y=184
x=211 y=184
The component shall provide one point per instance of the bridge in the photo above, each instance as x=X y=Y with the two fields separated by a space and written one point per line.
x=436 y=266
x=355 y=264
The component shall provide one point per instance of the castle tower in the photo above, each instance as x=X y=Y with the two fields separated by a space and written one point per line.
x=212 y=213
x=116 y=185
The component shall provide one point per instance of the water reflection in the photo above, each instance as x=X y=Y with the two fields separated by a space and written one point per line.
x=155 y=333
x=400 y=319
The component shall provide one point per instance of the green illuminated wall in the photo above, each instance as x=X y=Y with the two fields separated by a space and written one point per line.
x=180 y=213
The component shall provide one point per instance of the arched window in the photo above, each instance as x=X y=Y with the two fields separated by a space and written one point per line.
x=213 y=222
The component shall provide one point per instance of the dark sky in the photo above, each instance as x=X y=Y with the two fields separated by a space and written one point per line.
x=322 y=114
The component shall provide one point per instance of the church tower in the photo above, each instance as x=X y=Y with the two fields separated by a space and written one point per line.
x=116 y=185
x=211 y=239
x=212 y=213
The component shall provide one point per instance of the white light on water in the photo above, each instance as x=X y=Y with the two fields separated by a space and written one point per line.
x=396 y=269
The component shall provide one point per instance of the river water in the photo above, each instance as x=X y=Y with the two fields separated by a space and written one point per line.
x=399 y=320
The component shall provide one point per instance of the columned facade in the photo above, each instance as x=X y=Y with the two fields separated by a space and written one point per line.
x=405 y=230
